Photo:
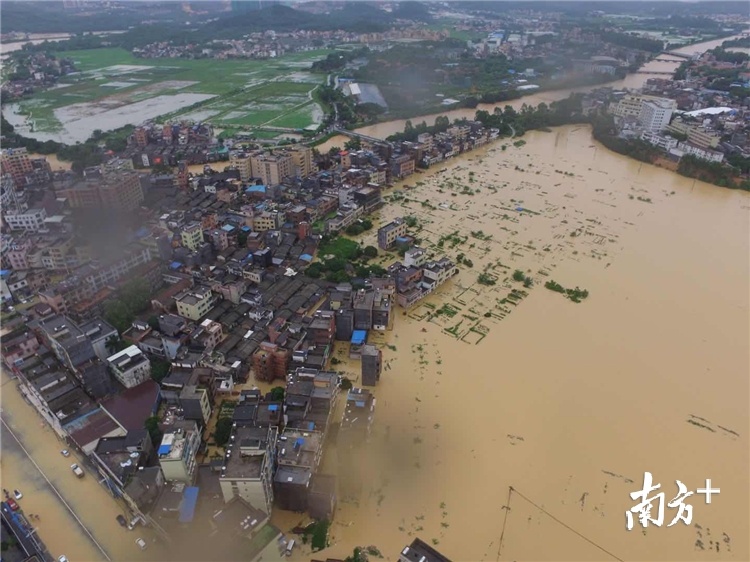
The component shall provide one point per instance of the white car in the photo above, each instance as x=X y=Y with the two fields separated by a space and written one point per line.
x=141 y=543
x=65 y=453
x=62 y=558
x=17 y=494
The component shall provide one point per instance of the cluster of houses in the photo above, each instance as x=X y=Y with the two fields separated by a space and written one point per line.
x=32 y=72
x=223 y=259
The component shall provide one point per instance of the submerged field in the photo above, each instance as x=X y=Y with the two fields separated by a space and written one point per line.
x=114 y=88
x=493 y=384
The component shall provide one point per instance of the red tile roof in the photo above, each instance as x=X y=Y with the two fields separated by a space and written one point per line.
x=131 y=407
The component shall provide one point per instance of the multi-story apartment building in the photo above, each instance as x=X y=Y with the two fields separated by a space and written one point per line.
x=177 y=452
x=88 y=280
x=302 y=160
x=696 y=135
x=192 y=236
x=270 y=362
x=120 y=190
x=16 y=162
x=402 y=165
x=387 y=234
x=372 y=365
x=268 y=220
x=248 y=468
x=130 y=366
x=194 y=303
x=30 y=220
x=18 y=251
x=655 y=114
x=415 y=257
x=242 y=161
x=298 y=455
x=272 y=169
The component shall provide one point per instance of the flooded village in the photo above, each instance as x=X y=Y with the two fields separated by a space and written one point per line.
x=450 y=404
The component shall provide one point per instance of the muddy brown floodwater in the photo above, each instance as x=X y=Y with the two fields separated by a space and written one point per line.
x=568 y=403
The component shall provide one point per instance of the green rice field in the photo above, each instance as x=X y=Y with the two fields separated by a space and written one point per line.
x=114 y=88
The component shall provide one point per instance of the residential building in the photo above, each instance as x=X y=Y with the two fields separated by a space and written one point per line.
x=298 y=455
x=192 y=236
x=130 y=366
x=387 y=234
x=18 y=345
x=270 y=362
x=353 y=434
x=119 y=458
x=248 y=466
x=630 y=105
x=664 y=142
x=16 y=162
x=242 y=162
x=120 y=190
x=698 y=152
x=696 y=135
x=302 y=160
x=177 y=453
x=99 y=332
x=402 y=166
x=372 y=365
x=66 y=340
x=268 y=220
x=194 y=303
x=358 y=417
x=30 y=220
x=437 y=272
x=415 y=257
x=195 y=401
x=382 y=317
x=362 y=304
x=272 y=169
x=420 y=551
x=655 y=114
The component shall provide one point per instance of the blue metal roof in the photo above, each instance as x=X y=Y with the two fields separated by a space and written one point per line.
x=273 y=407
x=227 y=228
x=306 y=257
x=164 y=449
x=359 y=337
x=175 y=265
x=189 y=501
x=245 y=229
x=256 y=189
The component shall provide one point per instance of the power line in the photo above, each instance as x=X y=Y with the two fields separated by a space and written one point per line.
x=505 y=521
x=511 y=489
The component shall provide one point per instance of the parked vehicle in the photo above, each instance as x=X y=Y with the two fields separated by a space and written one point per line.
x=289 y=547
x=62 y=558
x=77 y=470
x=12 y=504
x=141 y=543
x=65 y=453
x=122 y=521
x=17 y=494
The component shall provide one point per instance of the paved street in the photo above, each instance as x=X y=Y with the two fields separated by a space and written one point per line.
x=77 y=516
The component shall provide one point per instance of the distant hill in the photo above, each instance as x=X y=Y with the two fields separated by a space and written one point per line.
x=54 y=17
x=231 y=19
